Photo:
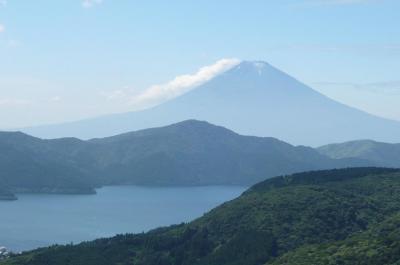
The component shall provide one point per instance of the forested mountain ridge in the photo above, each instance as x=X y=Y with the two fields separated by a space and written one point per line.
x=28 y=164
x=384 y=154
x=187 y=153
x=199 y=153
x=378 y=245
x=307 y=218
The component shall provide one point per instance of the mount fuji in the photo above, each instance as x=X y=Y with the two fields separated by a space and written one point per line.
x=252 y=98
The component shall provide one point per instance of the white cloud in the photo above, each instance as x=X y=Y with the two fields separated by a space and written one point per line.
x=181 y=84
x=91 y=3
x=2 y=28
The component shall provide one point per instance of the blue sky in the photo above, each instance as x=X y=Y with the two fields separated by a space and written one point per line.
x=63 y=60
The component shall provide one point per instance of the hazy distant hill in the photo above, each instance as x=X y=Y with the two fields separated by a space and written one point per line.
x=6 y=194
x=382 y=154
x=199 y=153
x=28 y=165
x=186 y=153
x=349 y=216
x=253 y=98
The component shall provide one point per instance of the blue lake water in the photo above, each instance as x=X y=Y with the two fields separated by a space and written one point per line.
x=41 y=220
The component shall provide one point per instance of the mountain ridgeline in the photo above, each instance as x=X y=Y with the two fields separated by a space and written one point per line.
x=384 y=154
x=184 y=154
x=252 y=98
x=346 y=216
x=33 y=165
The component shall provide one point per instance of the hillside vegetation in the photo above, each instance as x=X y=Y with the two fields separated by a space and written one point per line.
x=347 y=216
x=188 y=153
x=29 y=165
x=383 y=154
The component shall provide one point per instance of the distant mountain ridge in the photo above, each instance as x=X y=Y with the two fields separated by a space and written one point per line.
x=183 y=154
x=30 y=164
x=252 y=98
x=384 y=154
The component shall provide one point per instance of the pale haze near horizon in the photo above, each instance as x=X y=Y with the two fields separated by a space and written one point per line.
x=71 y=60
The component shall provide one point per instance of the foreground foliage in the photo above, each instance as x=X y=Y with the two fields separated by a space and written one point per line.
x=378 y=245
x=348 y=216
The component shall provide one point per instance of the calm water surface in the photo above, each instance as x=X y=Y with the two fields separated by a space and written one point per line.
x=42 y=220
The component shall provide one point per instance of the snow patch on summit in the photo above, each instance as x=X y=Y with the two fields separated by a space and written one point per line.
x=259 y=66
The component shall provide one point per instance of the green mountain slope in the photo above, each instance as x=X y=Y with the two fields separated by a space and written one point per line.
x=275 y=222
x=383 y=154
x=187 y=153
x=28 y=166
x=198 y=153
x=378 y=245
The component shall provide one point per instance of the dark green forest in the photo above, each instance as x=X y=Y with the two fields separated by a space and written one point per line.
x=344 y=216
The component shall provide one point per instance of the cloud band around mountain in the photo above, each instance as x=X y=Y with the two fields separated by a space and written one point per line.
x=181 y=84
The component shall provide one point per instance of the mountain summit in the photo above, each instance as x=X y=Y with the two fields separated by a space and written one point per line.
x=189 y=153
x=252 y=98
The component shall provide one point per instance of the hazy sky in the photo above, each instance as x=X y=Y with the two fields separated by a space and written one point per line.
x=70 y=59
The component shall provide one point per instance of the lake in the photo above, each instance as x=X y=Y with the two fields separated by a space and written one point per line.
x=41 y=220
